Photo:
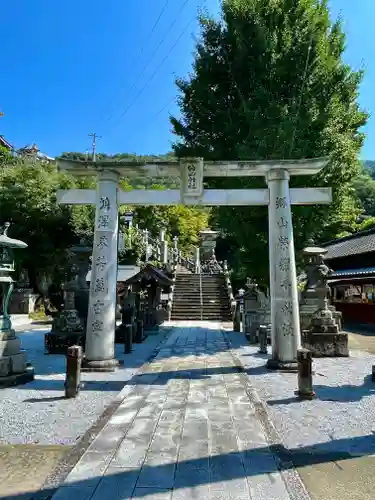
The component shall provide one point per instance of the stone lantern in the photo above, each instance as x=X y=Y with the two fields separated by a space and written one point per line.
x=320 y=322
x=14 y=368
x=207 y=244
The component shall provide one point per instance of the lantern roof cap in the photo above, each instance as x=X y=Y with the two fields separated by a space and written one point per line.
x=5 y=241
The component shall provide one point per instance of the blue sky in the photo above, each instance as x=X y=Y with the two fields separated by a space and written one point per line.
x=73 y=67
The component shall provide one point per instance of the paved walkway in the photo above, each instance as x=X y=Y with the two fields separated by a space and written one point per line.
x=188 y=430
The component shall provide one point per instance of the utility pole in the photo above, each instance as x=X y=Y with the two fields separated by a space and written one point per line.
x=94 y=138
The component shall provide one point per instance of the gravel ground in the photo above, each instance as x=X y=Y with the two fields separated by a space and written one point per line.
x=340 y=422
x=37 y=413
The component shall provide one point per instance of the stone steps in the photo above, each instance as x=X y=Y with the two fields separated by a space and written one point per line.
x=188 y=296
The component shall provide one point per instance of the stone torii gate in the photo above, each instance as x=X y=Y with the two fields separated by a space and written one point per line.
x=286 y=338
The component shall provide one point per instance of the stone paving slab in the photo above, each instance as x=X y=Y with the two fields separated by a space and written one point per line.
x=188 y=430
x=331 y=439
x=44 y=433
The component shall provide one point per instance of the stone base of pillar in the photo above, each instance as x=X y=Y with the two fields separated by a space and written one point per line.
x=14 y=367
x=17 y=378
x=287 y=366
x=104 y=365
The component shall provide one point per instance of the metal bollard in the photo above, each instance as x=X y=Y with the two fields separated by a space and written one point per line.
x=73 y=371
x=139 y=334
x=128 y=339
x=263 y=340
x=305 y=385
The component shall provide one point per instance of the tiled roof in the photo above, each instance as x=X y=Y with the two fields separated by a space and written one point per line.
x=5 y=143
x=362 y=242
x=362 y=271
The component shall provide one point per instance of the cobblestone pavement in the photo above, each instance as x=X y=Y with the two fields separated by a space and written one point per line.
x=188 y=430
x=331 y=440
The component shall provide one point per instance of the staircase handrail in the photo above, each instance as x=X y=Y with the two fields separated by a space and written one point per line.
x=201 y=292
x=171 y=292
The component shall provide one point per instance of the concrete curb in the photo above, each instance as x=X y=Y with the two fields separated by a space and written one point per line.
x=282 y=455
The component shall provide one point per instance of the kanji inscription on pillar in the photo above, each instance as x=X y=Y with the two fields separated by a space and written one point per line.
x=100 y=285
x=284 y=264
x=104 y=222
x=97 y=326
x=283 y=242
x=101 y=263
x=282 y=223
x=103 y=242
x=104 y=203
x=98 y=307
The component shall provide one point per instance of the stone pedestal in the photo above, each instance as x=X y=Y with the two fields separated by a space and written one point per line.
x=14 y=369
x=324 y=338
x=307 y=309
x=329 y=345
x=67 y=328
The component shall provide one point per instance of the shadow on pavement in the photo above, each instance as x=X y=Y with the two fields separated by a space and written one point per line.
x=197 y=472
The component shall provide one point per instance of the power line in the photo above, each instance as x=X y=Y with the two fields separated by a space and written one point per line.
x=155 y=72
x=156 y=115
x=157 y=20
x=168 y=30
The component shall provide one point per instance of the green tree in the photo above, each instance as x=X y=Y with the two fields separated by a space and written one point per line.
x=6 y=158
x=28 y=201
x=364 y=189
x=268 y=82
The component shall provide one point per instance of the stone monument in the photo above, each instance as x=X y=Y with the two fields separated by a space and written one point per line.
x=23 y=298
x=14 y=368
x=128 y=299
x=81 y=259
x=256 y=311
x=323 y=337
x=251 y=306
x=69 y=324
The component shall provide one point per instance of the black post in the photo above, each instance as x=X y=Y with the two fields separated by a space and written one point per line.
x=305 y=385
x=128 y=339
x=139 y=334
x=263 y=340
x=73 y=371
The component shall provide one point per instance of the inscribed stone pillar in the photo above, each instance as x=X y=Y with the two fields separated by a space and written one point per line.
x=286 y=338
x=101 y=322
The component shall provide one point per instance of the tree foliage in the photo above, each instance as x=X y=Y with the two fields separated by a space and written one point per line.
x=268 y=82
x=28 y=201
